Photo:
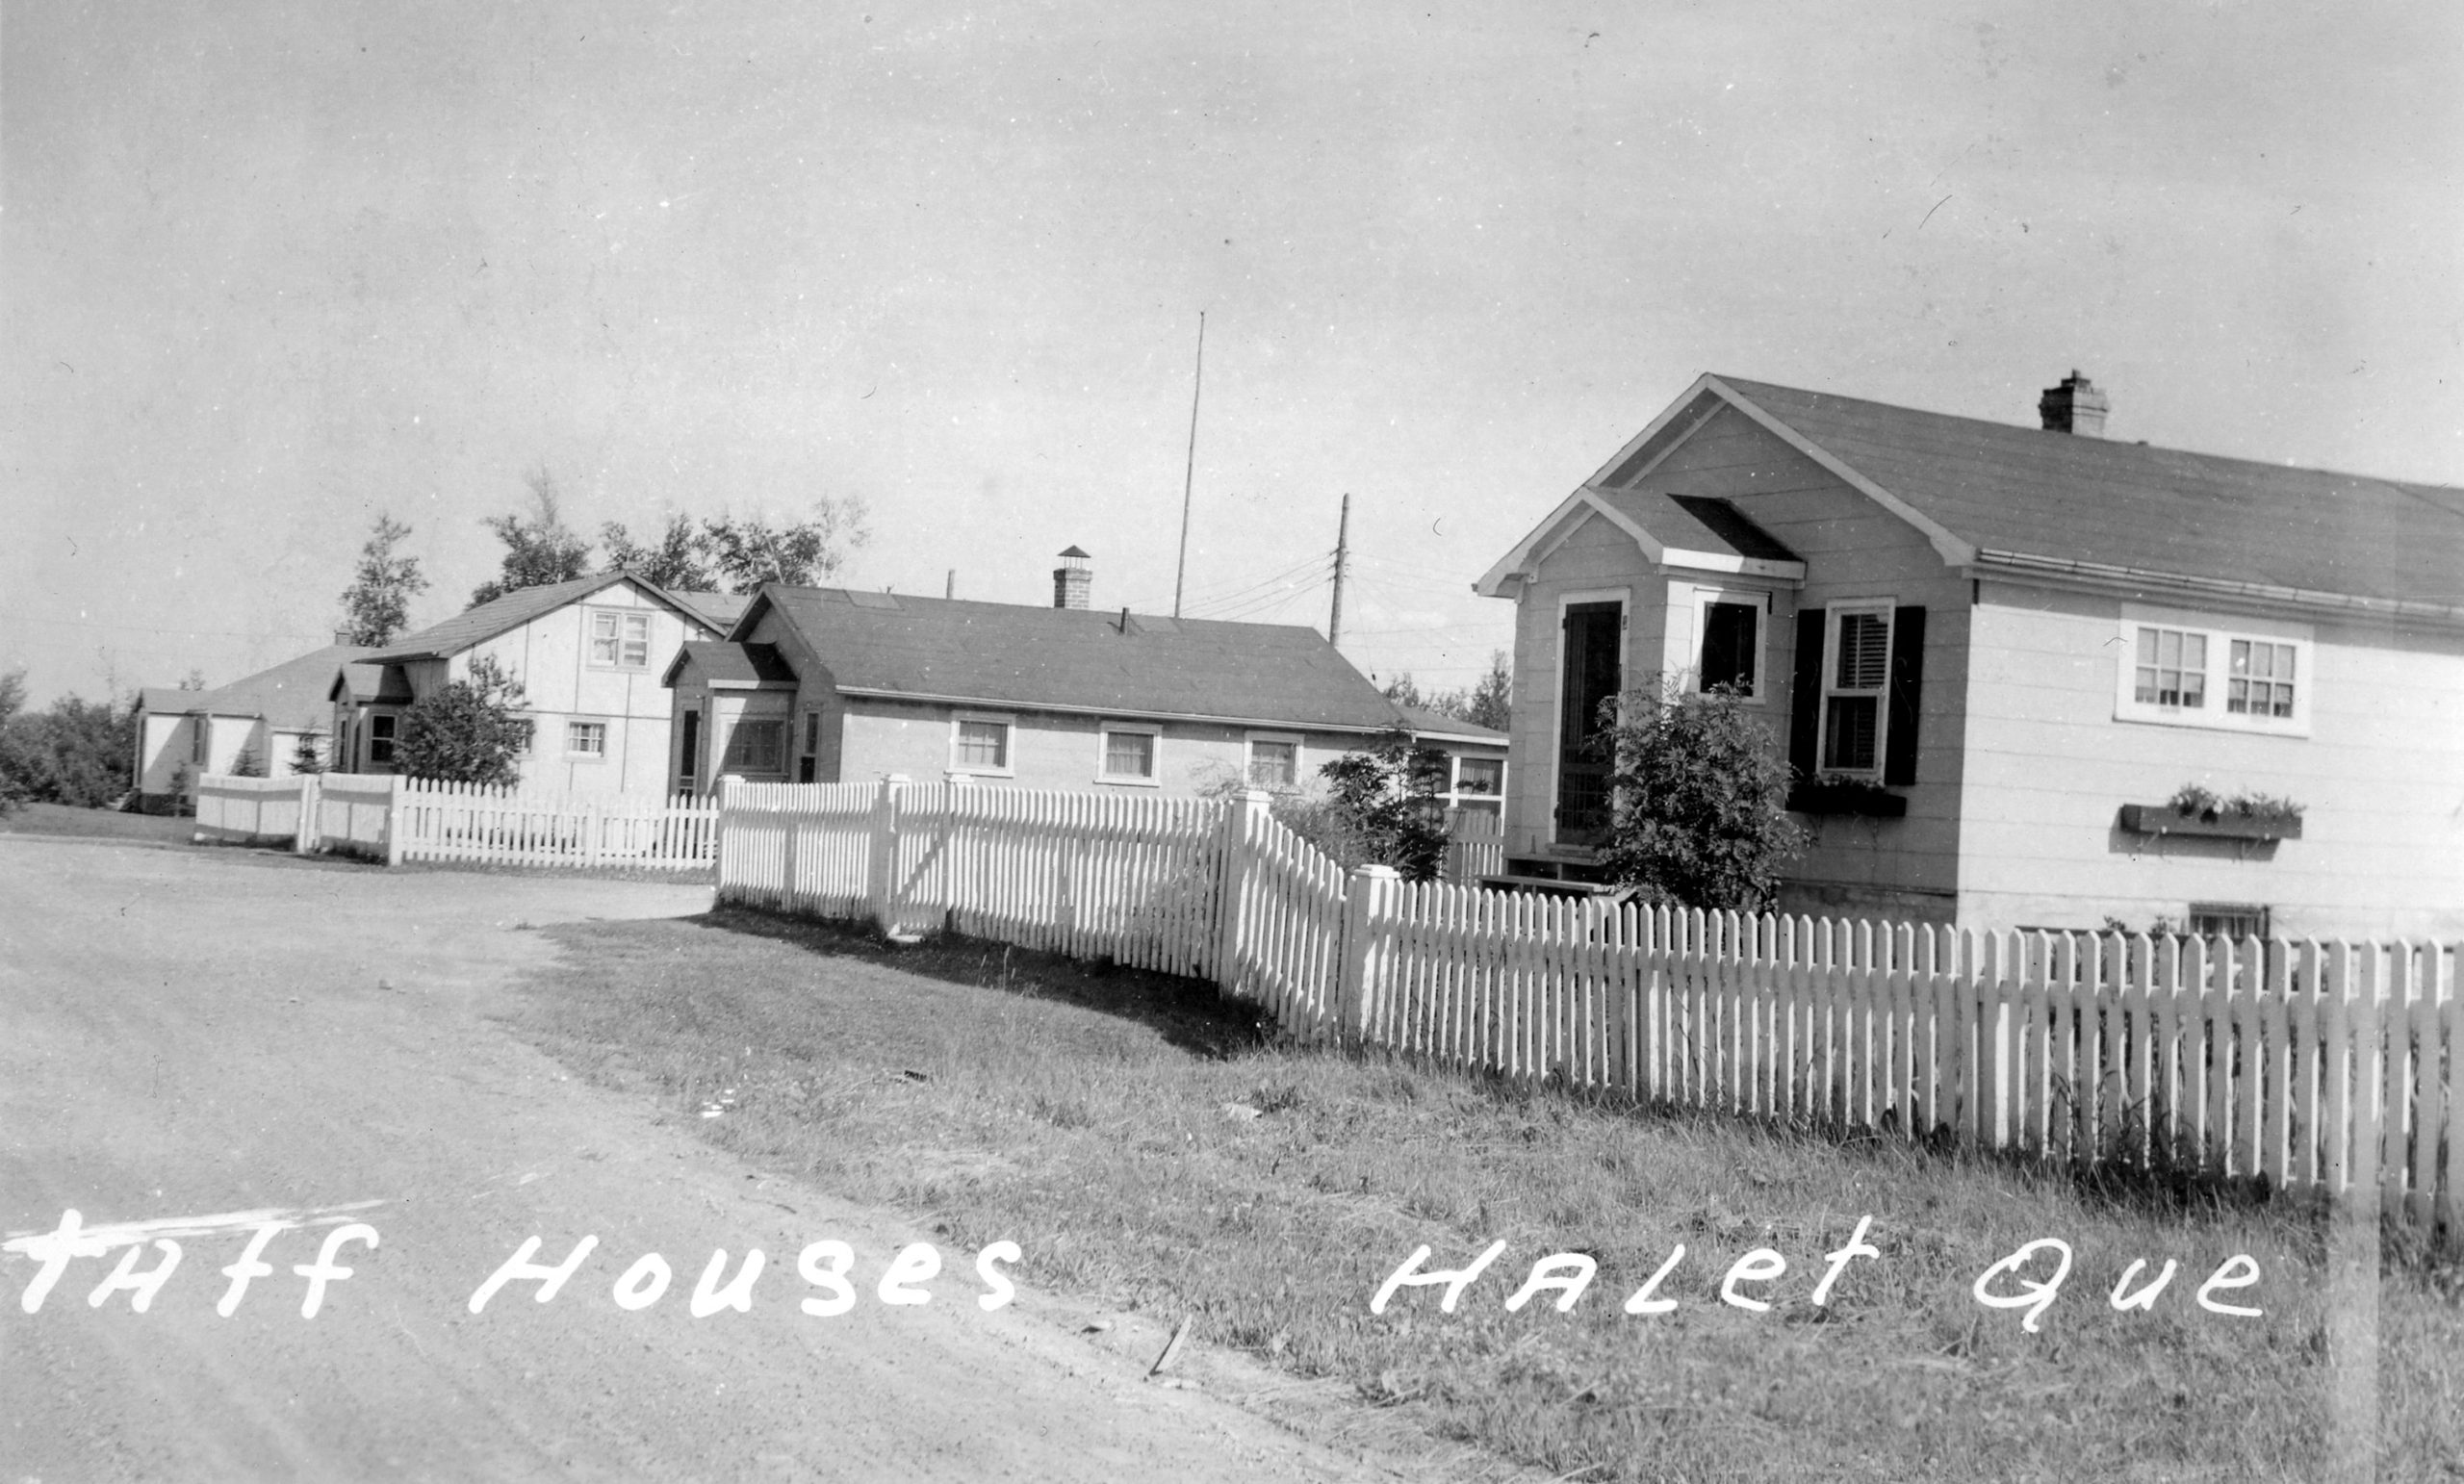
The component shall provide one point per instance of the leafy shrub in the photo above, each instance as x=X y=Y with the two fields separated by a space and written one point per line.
x=466 y=732
x=1700 y=794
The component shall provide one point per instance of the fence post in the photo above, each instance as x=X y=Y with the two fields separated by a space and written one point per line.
x=1369 y=898
x=728 y=784
x=304 y=835
x=1242 y=814
x=395 y=800
x=884 y=861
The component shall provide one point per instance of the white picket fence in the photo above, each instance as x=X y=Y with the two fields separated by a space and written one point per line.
x=509 y=827
x=1475 y=845
x=397 y=819
x=1129 y=879
x=2324 y=1067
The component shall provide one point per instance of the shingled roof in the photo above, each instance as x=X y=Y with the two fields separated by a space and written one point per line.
x=502 y=615
x=1077 y=659
x=291 y=696
x=2007 y=491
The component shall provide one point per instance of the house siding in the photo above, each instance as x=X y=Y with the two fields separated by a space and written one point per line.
x=1058 y=751
x=2380 y=776
x=550 y=656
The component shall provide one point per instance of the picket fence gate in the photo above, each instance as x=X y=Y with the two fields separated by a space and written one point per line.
x=397 y=819
x=2327 y=1067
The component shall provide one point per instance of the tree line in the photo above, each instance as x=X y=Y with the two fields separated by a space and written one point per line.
x=730 y=552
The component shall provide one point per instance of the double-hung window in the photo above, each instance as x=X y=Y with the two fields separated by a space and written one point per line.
x=586 y=739
x=1856 y=673
x=1275 y=761
x=380 y=739
x=620 y=639
x=1128 y=755
x=980 y=744
x=2182 y=672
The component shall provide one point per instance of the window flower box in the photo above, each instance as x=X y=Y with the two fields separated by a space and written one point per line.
x=2214 y=823
x=1842 y=795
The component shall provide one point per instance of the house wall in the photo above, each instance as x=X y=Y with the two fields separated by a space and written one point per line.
x=550 y=656
x=1852 y=549
x=2380 y=776
x=1059 y=752
x=163 y=748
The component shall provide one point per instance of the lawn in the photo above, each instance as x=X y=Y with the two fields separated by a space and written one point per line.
x=1149 y=1147
x=96 y=824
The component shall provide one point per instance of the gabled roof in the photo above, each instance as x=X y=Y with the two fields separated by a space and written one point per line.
x=1999 y=495
x=718 y=610
x=293 y=695
x=363 y=685
x=1426 y=723
x=502 y=615
x=1076 y=659
x=739 y=664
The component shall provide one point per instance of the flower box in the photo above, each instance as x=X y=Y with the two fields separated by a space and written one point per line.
x=1865 y=799
x=2222 y=824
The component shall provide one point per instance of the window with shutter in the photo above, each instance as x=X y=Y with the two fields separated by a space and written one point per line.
x=1853 y=720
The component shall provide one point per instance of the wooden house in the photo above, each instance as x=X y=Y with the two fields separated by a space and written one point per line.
x=1996 y=654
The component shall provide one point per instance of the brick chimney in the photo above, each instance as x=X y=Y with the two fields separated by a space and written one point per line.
x=1073 y=580
x=2075 y=406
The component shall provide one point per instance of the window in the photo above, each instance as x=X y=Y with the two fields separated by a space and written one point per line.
x=1853 y=681
x=620 y=639
x=1275 y=761
x=2235 y=920
x=809 y=762
x=199 y=729
x=526 y=736
x=1731 y=647
x=756 y=745
x=586 y=739
x=1128 y=755
x=980 y=744
x=1479 y=776
x=2182 y=674
x=381 y=738
x=2172 y=668
x=2261 y=683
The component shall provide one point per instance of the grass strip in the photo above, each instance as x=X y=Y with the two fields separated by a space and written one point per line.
x=1149 y=1147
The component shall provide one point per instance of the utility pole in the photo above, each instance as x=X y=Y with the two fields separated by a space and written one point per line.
x=1189 y=471
x=1342 y=553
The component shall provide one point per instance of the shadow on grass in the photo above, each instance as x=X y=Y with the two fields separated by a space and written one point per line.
x=1188 y=1013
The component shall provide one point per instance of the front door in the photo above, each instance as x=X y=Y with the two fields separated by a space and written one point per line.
x=1593 y=637
x=688 y=755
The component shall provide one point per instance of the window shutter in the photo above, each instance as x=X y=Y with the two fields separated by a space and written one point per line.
x=1805 y=694
x=1906 y=687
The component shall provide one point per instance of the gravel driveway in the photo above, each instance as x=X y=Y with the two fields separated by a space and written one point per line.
x=187 y=1031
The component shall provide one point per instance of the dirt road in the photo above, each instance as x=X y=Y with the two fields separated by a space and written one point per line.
x=186 y=1033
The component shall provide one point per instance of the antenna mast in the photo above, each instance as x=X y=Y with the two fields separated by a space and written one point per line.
x=1189 y=471
x=1343 y=551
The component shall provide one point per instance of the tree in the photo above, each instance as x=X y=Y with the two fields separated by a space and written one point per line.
x=678 y=560
x=1490 y=701
x=468 y=732
x=750 y=552
x=307 y=757
x=248 y=764
x=1385 y=799
x=76 y=753
x=1484 y=704
x=1699 y=801
x=378 y=604
x=538 y=548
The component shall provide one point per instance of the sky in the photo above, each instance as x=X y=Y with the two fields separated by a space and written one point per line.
x=269 y=271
